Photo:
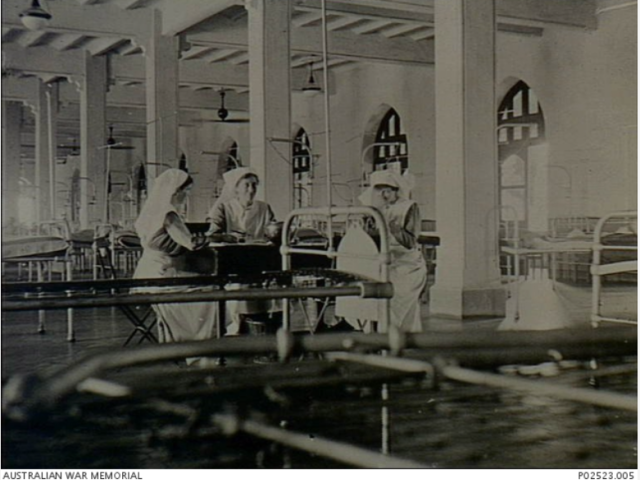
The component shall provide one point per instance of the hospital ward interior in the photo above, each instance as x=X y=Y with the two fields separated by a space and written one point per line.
x=319 y=234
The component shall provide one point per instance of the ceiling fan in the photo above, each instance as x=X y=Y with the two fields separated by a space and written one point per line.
x=112 y=144
x=223 y=114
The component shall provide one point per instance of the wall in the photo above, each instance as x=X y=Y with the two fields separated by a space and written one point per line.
x=204 y=168
x=358 y=94
x=586 y=83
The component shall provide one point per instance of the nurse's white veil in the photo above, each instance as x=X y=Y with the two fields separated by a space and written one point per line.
x=158 y=203
x=404 y=184
x=231 y=179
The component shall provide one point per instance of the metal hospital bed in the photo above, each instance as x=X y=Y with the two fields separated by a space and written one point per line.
x=625 y=260
x=214 y=284
x=49 y=252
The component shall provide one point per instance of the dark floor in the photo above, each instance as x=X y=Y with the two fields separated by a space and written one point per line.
x=25 y=350
x=462 y=427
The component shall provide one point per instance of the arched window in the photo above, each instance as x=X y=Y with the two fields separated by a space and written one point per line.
x=520 y=118
x=232 y=158
x=520 y=127
x=394 y=156
x=302 y=169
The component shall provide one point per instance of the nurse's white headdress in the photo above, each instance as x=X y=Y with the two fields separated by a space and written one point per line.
x=158 y=203
x=403 y=183
x=231 y=179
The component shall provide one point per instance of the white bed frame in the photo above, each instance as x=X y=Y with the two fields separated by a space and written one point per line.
x=598 y=270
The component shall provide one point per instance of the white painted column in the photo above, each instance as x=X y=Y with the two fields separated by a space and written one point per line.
x=161 y=55
x=11 y=121
x=468 y=275
x=93 y=135
x=52 y=96
x=270 y=99
x=42 y=170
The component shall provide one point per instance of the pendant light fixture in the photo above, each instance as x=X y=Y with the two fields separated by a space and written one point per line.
x=311 y=87
x=35 y=17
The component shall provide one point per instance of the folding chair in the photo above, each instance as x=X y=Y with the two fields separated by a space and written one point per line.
x=141 y=327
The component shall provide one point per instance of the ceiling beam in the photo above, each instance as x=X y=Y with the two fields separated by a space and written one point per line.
x=371 y=10
x=520 y=29
x=90 y=20
x=305 y=19
x=401 y=30
x=217 y=55
x=67 y=42
x=99 y=46
x=47 y=61
x=195 y=52
x=31 y=39
x=130 y=4
x=372 y=26
x=570 y=13
x=342 y=22
x=43 y=60
x=180 y=16
x=425 y=34
x=307 y=41
x=240 y=58
x=130 y=49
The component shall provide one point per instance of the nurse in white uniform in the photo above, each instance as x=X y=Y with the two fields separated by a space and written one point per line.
x=238 y=215
x=389 y=192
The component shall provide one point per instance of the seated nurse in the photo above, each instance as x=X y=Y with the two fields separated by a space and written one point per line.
x=165 y=239
x=237 y=212
x=238 y=216
x=390 y=193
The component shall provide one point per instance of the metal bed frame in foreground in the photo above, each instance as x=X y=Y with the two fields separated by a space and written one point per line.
x=598 y=270
x=32 y=398
x=42 y=296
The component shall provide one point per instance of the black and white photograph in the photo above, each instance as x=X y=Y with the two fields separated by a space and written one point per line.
x=319 y=234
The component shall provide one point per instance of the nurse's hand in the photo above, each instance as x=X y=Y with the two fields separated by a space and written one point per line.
x=228 y=238
x=199 y=242
x=222 y=238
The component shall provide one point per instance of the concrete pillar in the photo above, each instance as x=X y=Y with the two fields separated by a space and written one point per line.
x=161 y=55
x=45 y=163
x=270 y=99
x=11 y=121
x=93 y=136
x=468 y=275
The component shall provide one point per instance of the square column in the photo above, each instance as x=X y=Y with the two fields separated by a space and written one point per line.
x=270 y=100
x=45 y=153
x=468 y=275
x=161 y=57
x=93 y=128
x=11 y=121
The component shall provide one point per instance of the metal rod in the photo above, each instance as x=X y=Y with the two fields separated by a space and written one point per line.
x=465 y=375
x=325 y=253
x=340 y=451
x=187 y=297
x=327 y=118
x=202 y=280
x=401 y=364
x=53 y=387
x=541 y=387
